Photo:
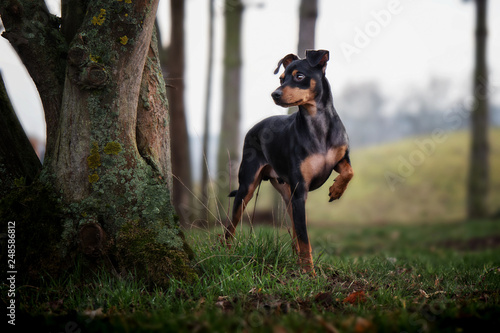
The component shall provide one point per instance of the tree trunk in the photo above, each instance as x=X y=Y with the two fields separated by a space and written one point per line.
x=478 y=180
x=107 y=174
x=181 y=161
x=228 y=155
x=205 y=177
x=19 y=164
x=307 y=26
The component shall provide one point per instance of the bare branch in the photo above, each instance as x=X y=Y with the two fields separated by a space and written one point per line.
x=34 y=34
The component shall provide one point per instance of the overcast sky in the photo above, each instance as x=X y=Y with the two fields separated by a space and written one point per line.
x=400 y=45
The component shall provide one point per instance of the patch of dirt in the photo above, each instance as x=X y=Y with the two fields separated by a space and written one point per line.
x=472 y=244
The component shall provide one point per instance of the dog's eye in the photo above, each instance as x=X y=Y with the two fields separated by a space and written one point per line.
x=282 y=79
x=299 y=76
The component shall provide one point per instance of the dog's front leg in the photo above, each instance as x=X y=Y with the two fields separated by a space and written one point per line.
x=345 y=175
x=302 y=239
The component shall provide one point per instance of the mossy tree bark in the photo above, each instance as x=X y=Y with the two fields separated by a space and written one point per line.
x=108 y=167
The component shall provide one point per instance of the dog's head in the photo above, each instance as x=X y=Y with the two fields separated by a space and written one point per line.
x=300 y=83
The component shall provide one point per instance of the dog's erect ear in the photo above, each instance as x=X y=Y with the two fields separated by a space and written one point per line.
x=317 y=58
x=285 y=61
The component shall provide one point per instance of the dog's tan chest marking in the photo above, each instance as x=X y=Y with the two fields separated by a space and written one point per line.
x=320 y=165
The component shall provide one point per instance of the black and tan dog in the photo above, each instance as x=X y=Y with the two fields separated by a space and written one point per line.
x=297 y=153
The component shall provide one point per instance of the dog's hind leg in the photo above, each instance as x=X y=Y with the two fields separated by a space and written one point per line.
x=249 y=178
x=286 y=194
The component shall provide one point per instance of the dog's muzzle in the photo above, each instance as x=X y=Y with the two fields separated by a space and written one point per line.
x=276 y=95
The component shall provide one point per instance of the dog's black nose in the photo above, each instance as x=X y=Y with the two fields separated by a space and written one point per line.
x=276 y=95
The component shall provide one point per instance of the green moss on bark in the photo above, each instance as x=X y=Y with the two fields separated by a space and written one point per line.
x=94 y=159
x=112 y=148
x=129 y=190
x=140 y=252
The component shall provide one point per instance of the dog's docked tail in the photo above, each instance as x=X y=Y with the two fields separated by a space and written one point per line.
x=233 y=194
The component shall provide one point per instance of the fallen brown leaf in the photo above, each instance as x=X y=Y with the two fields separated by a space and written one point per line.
x=355 y=297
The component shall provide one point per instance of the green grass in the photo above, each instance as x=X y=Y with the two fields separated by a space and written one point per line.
x=416 y=278
x=434 y=189
x=378 y=240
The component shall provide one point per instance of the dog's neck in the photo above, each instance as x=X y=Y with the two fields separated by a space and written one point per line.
x=320 y=118
x=322 y=105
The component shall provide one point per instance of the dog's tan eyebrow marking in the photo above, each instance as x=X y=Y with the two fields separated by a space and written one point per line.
x=295 y=71
x=282 y=77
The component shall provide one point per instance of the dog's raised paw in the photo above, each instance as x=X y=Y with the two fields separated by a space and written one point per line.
x=335 y=192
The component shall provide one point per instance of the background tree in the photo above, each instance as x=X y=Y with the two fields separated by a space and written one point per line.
x=478 y=180
x=205 y=177
x=181 y=161
x=308 y=13
x=231 y=110
x=103 y=193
